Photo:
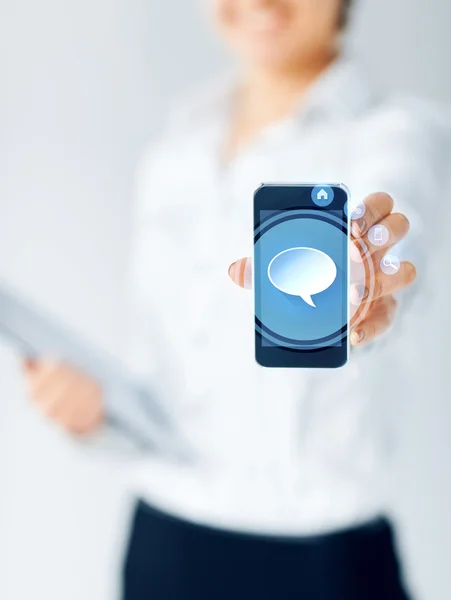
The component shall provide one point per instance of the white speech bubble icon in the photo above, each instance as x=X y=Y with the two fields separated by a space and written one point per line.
x=302 y=272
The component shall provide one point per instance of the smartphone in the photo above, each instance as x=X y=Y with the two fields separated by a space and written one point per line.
x=301 y=275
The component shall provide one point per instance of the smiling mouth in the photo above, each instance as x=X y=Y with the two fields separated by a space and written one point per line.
x=265 y=21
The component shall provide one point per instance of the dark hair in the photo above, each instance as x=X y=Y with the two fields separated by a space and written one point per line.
x=345 y=10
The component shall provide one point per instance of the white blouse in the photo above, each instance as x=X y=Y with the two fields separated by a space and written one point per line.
x=274 y=451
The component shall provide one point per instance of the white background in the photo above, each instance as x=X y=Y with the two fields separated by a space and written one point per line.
x=84 y=85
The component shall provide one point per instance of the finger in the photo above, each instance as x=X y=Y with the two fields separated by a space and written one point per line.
x=379 y=320
x=240 y=272
x=384 y=284
x=84 y=411
x=358 y=250
x=377 y=207
x=396 y=228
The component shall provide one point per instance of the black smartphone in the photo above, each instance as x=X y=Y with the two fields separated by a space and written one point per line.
x=301 y=275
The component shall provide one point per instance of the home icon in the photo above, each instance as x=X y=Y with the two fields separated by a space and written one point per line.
x=322 y=195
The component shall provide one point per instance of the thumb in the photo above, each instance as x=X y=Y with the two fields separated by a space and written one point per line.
x=240 y=272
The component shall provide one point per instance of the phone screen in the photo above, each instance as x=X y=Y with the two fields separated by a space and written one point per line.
x=301 y=275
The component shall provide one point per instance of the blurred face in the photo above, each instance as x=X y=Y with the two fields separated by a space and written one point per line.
x=279 y=33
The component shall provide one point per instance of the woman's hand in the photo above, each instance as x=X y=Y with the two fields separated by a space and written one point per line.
x=374 y=295
x=65 y=395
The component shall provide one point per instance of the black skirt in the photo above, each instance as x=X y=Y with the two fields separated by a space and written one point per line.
x=172 y=559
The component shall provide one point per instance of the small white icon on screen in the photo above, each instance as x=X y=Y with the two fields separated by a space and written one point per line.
x=390 y=264
x=378 y=235
x=322 y=195
x=358 y=211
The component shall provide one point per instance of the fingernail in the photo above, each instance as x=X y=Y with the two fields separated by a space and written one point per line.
x=357 y=337
x=412 y=273
x=30 y=362
x=358 y=294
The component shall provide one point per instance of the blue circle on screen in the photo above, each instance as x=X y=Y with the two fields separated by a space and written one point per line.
x=289 y=316
x=322 y=195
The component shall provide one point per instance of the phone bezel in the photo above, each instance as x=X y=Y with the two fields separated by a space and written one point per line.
x=288 y=198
